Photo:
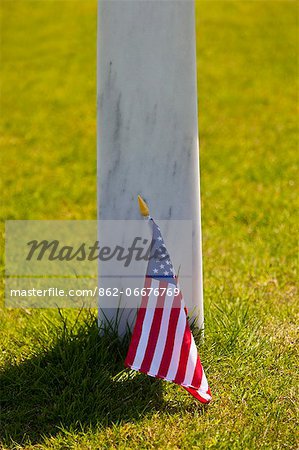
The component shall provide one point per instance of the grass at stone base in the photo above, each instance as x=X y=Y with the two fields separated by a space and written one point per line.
x=64 y=387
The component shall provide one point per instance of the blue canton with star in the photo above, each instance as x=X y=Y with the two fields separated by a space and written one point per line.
x=159 y=265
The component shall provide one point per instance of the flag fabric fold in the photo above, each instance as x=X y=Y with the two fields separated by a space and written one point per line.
x=162 y=344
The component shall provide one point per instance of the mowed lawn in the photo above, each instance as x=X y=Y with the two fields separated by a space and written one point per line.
x=61 y=385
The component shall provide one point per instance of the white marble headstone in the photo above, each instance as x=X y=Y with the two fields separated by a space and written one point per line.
x=147 y=121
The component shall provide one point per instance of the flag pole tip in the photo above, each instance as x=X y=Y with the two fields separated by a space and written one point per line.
x=143 y=208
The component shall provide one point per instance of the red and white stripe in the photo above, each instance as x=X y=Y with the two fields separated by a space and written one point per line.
x=162 y=344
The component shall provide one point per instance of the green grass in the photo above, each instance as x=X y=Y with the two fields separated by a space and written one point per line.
x=61 y=385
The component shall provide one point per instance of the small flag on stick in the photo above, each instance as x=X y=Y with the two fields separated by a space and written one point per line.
x=162 y=344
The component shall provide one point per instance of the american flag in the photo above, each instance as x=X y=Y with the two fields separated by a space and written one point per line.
x=162 y=344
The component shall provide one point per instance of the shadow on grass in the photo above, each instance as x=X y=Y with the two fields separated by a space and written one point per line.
x=80 y=381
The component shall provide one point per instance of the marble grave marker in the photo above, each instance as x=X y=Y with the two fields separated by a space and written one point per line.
x=147 y=126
